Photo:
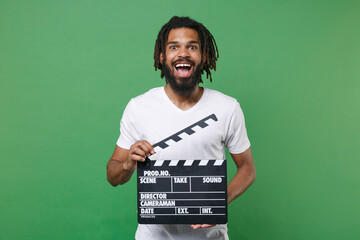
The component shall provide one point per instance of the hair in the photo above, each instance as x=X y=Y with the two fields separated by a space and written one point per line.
x=207 y=43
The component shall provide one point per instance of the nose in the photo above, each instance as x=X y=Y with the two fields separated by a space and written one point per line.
x=183 y=52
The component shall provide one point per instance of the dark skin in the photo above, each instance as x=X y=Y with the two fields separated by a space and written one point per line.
x=182 y=43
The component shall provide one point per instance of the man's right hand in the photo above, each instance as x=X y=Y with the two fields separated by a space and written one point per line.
x=138 y=152
x=122 y=163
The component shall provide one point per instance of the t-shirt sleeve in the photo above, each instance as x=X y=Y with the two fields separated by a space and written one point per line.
x=236 y=139
x=128 y=128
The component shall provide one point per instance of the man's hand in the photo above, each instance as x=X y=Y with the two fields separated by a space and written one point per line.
x=197 y=226
x=122 y=163
x=138 y=152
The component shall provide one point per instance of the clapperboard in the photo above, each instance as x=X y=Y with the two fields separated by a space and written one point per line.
x=182 y=191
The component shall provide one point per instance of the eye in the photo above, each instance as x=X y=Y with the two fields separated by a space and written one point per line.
x=193 y=47
x=173 y=47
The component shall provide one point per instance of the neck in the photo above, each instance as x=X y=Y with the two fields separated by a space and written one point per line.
x=184 y=102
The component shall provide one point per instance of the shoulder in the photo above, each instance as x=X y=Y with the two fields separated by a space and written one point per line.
x=150 y=95
x=220 y=96
x=147 y=101
x=221 y=99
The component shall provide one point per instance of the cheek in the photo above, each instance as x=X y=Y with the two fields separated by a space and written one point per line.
x=169 y=58
x=168 y=62
x=170 y=55
x=197 y=58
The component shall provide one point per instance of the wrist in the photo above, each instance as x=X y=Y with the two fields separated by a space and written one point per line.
x=127 y=166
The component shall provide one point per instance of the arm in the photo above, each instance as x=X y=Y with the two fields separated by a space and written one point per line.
x=122 y=163
x=244 y=177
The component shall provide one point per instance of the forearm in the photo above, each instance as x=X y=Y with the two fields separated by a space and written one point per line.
x=242 y=180
x=118 y=172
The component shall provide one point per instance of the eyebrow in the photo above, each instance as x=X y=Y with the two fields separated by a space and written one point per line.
x=176 y=42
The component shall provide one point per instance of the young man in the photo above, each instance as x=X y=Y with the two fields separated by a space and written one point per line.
x=184 y=49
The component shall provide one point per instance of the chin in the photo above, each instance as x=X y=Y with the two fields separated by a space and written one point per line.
x=183 y=86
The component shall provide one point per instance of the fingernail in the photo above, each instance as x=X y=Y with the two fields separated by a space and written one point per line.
x=152 y=152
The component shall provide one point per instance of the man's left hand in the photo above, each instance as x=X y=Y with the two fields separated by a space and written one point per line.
x=197 y=226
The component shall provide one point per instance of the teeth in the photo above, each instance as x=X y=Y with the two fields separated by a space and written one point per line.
x=183 y=65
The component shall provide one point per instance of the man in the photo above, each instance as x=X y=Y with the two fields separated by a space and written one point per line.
x=184 y=49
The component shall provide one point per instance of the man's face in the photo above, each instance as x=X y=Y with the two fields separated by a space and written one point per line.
x=182 y=65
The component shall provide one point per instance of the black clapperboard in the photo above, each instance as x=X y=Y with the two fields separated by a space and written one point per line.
x=182 y=191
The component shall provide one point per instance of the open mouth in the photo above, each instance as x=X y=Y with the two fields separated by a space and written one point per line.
x=183 y=69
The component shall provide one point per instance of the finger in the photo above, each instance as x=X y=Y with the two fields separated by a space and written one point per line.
x=134 y=157
x=207 y=225
x=144 y=147
x=139 y=151
x=196 y=226
x=149 y=146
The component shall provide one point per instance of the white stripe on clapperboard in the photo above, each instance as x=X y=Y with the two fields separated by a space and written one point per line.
x=159 y=163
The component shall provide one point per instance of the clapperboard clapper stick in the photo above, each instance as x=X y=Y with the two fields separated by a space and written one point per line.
x=191 y=191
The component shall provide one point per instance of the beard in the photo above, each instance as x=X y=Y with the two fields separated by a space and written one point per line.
x=186 y=85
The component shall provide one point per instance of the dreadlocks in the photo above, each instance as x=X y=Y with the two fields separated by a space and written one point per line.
x=207 y=43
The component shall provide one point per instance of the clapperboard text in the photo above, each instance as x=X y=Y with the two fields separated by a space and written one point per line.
x=150 y=177
x=180 y=192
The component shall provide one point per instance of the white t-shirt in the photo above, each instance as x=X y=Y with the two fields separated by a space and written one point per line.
x=153 y=117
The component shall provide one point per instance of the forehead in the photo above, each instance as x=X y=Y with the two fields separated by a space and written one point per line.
x=183 y=35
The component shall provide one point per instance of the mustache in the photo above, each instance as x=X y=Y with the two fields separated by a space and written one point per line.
x=183 y=60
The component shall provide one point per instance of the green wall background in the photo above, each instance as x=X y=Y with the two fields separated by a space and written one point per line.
x=68 y=69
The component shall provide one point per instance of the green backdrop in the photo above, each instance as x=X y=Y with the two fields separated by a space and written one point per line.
x=68 y=69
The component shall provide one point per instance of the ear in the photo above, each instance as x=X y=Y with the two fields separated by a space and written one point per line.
x=161 y=58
